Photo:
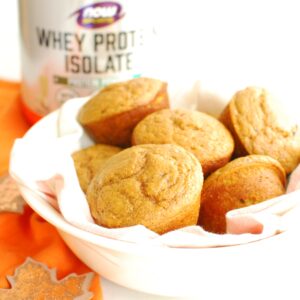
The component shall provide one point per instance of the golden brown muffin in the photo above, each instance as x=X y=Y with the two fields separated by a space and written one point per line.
x=158 y=186
x=89 y=160
x=242 y=182
x=258 y=127
x=206 y=137
x=110 y=116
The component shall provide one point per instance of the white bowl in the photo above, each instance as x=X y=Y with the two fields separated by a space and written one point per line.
x=258 y=270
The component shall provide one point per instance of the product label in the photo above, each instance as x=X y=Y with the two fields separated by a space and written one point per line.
x=73 y=52
x=116 y=47
x=98 y=14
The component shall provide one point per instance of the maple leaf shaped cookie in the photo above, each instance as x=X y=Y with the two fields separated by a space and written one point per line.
x=35 y=281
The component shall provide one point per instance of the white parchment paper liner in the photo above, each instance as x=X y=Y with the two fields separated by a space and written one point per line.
x=45 y=167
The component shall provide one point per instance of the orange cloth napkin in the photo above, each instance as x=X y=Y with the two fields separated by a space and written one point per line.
x=12 y=123
x=26 y=235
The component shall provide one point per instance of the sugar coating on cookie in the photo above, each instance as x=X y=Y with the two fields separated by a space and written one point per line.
x=158 y=186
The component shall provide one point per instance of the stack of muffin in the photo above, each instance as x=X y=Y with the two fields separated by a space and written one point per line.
x=170 y=168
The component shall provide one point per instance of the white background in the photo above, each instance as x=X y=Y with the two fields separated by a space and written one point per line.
x=228 y=44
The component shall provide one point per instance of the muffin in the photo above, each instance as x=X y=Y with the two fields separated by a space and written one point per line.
x=110 y=116
x=157 y=186
x=259 y=127
x=203 y=135
x=242 y=182
x=88 y=161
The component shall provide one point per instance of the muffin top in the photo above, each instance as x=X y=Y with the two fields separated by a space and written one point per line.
x=88 y=161
x=146 y=184
x=249 y=162
x=262 y=128
x=203 y=135
x=120 y=97
x=244 y=181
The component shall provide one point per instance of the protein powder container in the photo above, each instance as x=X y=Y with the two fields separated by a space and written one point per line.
x=71 y=48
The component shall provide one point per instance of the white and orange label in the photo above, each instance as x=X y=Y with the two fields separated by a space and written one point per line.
x=74 y=49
